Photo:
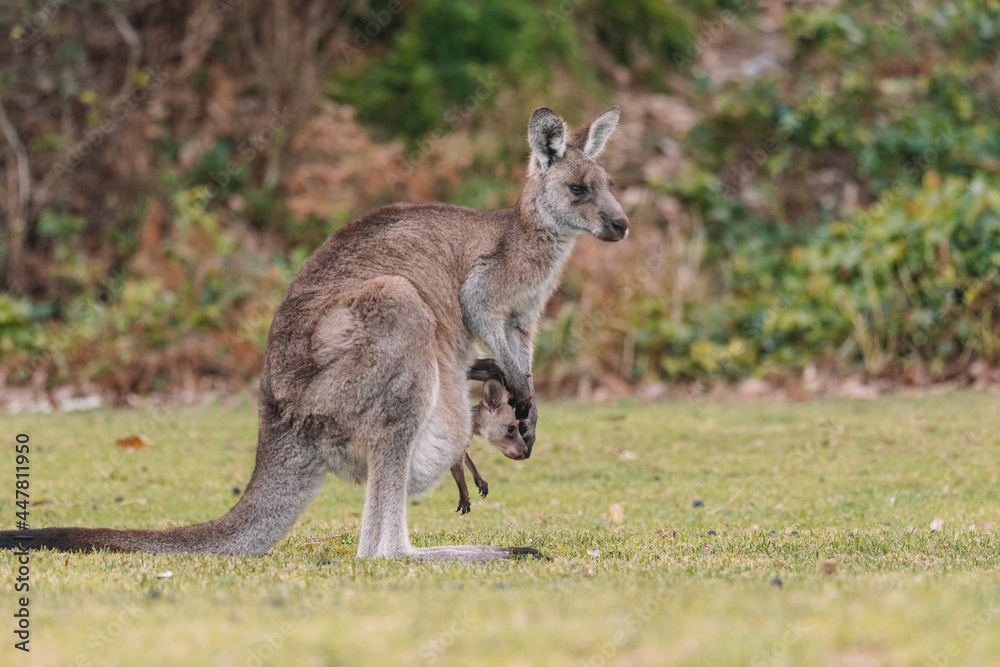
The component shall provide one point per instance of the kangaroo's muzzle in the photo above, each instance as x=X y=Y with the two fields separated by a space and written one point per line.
x=613 y=228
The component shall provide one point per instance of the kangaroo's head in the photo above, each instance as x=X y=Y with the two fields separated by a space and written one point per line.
x=572 y=193
x=494 y=420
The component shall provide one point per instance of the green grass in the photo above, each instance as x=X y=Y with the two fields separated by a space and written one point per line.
x=803 y=492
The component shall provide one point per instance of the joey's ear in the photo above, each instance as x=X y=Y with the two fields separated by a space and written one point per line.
x=591 y=137
x=547 y=136
x=492 y=395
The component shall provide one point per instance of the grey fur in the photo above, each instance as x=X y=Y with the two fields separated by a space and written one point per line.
x=547 y=136
x=600 y=130
x=364 y=371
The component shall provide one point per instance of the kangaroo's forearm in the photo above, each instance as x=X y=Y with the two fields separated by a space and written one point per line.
x=521 y=345
x=517 y=380
x=490 y=329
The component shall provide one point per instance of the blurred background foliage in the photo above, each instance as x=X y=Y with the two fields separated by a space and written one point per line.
x=813 y=185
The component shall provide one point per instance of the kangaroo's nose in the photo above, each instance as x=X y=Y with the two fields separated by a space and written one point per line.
x=620 y=225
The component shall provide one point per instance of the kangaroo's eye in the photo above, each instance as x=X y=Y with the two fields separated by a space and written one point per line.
x=511 y=430
x=577 y=189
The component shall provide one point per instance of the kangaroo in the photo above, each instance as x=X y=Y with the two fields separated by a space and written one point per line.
x=364 y=370
x=494 y=420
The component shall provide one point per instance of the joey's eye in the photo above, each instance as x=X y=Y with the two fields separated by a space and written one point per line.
x=577 y=189
x=511 y=430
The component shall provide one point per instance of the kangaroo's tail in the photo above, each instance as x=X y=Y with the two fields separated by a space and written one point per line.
x=284 y=481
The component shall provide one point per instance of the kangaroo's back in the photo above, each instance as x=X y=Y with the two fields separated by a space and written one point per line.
x=433 y=246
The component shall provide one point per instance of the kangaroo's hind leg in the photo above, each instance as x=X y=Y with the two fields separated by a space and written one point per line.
x=384 y=388
x=458 y=474
x=376 y=346
x=484 y=488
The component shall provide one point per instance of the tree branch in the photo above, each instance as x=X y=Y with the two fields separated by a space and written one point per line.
x=17 y=203
x=131 y=38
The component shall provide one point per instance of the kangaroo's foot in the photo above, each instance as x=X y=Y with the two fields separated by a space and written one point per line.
x=474 y=553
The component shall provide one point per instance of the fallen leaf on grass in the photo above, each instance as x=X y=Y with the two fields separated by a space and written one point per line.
x=131 y=442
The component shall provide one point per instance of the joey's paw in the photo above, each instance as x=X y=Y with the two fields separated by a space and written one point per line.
x=484 y=488
x=486 y=369
x=464 y=508
x=524 y=553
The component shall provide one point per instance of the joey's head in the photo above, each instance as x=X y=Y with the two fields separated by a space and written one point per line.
x=494 y=420
x=572 y=193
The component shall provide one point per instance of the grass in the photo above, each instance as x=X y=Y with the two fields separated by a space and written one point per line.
x=835 y=498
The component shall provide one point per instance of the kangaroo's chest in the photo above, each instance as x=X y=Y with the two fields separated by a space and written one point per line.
x=535 y=288
x=533 y=296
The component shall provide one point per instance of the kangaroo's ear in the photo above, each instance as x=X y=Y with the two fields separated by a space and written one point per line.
x=591 y=137
x=492 y=395
x=547 y=136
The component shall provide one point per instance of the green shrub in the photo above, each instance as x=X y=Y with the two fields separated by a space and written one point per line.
x=914 y=279
x=22 y=330
x=859 y=97
x=449 y=58
x=917 y=277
